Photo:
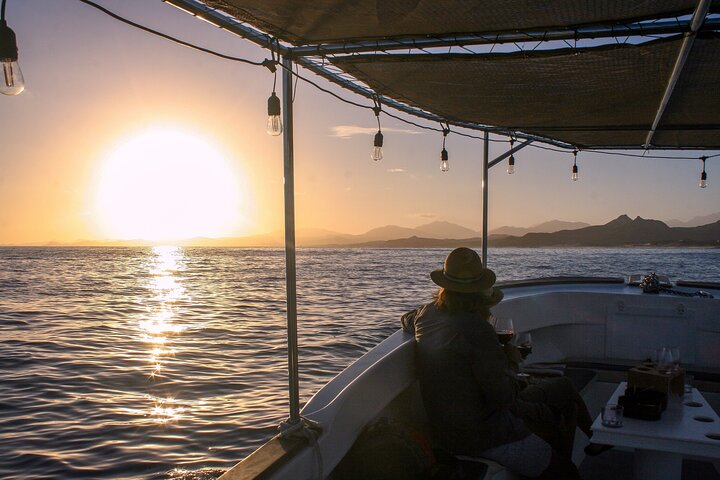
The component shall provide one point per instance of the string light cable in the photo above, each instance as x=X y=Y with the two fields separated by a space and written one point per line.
x=126 y=21
x=270 y=64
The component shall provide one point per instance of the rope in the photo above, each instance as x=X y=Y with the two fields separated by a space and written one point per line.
x=309 y=430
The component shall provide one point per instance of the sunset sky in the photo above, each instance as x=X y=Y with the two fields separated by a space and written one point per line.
x=121 y=134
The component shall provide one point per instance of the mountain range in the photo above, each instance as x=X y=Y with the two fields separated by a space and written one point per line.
x=695 y=221
x=621 y=231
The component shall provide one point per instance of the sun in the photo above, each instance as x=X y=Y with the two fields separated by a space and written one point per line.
x=168 y=183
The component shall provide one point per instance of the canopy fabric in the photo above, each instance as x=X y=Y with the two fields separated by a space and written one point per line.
x=594 y=97
x=303 y=22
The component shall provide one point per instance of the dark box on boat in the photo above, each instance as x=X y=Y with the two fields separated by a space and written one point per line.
x=643 y=404
x=662 y=381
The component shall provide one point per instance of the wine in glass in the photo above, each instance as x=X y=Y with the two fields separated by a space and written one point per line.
x=504 y=329
x=524 y=344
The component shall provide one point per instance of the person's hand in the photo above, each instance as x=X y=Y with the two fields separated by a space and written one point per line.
x=513 y=355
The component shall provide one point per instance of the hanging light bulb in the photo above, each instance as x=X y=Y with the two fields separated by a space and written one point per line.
x=274 y=124
x=511 y=160
x=703 y=175
x=377 y=152
x=444 y=166
x=13 y=82
x=575 y=167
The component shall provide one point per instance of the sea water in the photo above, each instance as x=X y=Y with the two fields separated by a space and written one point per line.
x=165 y=362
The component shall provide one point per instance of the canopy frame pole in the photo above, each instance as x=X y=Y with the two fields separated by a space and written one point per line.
x=697 y=20
x=599 y=30
x=290 y=263
x=485 y=176
x=640 y=28
x=487 y=165
x=502 y=157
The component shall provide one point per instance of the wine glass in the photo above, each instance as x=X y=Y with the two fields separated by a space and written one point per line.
x=675 y=351
x=665 y=362
x=504 y=329
x=524 y=344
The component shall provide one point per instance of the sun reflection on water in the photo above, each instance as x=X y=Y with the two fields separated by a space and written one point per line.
x=166 y=411
x=159 y=323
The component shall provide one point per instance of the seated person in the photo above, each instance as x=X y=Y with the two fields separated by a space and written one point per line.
x=475 y=404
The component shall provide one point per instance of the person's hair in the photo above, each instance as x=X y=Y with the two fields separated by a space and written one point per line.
x=454 y=302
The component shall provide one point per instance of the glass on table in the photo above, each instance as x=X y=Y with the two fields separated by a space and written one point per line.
x=612 y=415
x=688 y=387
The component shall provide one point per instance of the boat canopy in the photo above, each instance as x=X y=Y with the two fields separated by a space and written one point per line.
x=654 y=84
x=335 y=21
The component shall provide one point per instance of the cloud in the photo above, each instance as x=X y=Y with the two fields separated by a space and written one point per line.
x=423 y=215
x=396 y=170
x=349 y=131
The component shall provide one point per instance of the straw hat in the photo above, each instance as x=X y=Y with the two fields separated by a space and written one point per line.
x=464 y=272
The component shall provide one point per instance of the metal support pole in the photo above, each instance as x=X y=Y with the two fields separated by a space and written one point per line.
x=505 y=155
x=697 y=21
x=486 y=168
x=290 y=271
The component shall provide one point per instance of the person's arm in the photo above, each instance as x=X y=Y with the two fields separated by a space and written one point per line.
x=514 y=357
x=490 y=367
x=408 y=320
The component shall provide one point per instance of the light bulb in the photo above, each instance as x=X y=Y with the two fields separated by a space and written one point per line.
x=444 y=166
x=575 y=173
x=274 y=124
x=377 y=153
x=13 y=79
x=703 y=180
x=511 y=165
x=13 y=82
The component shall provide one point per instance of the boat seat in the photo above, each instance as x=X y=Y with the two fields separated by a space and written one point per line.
x=475 y=468
x=580 y=377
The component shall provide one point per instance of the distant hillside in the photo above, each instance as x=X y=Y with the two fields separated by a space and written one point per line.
x=382 y=233
x=445 y=230
x=695 y=221
x=421 y=242
x=623 y=231
x=620 y=232
x=433 y=231
x=545 y=227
